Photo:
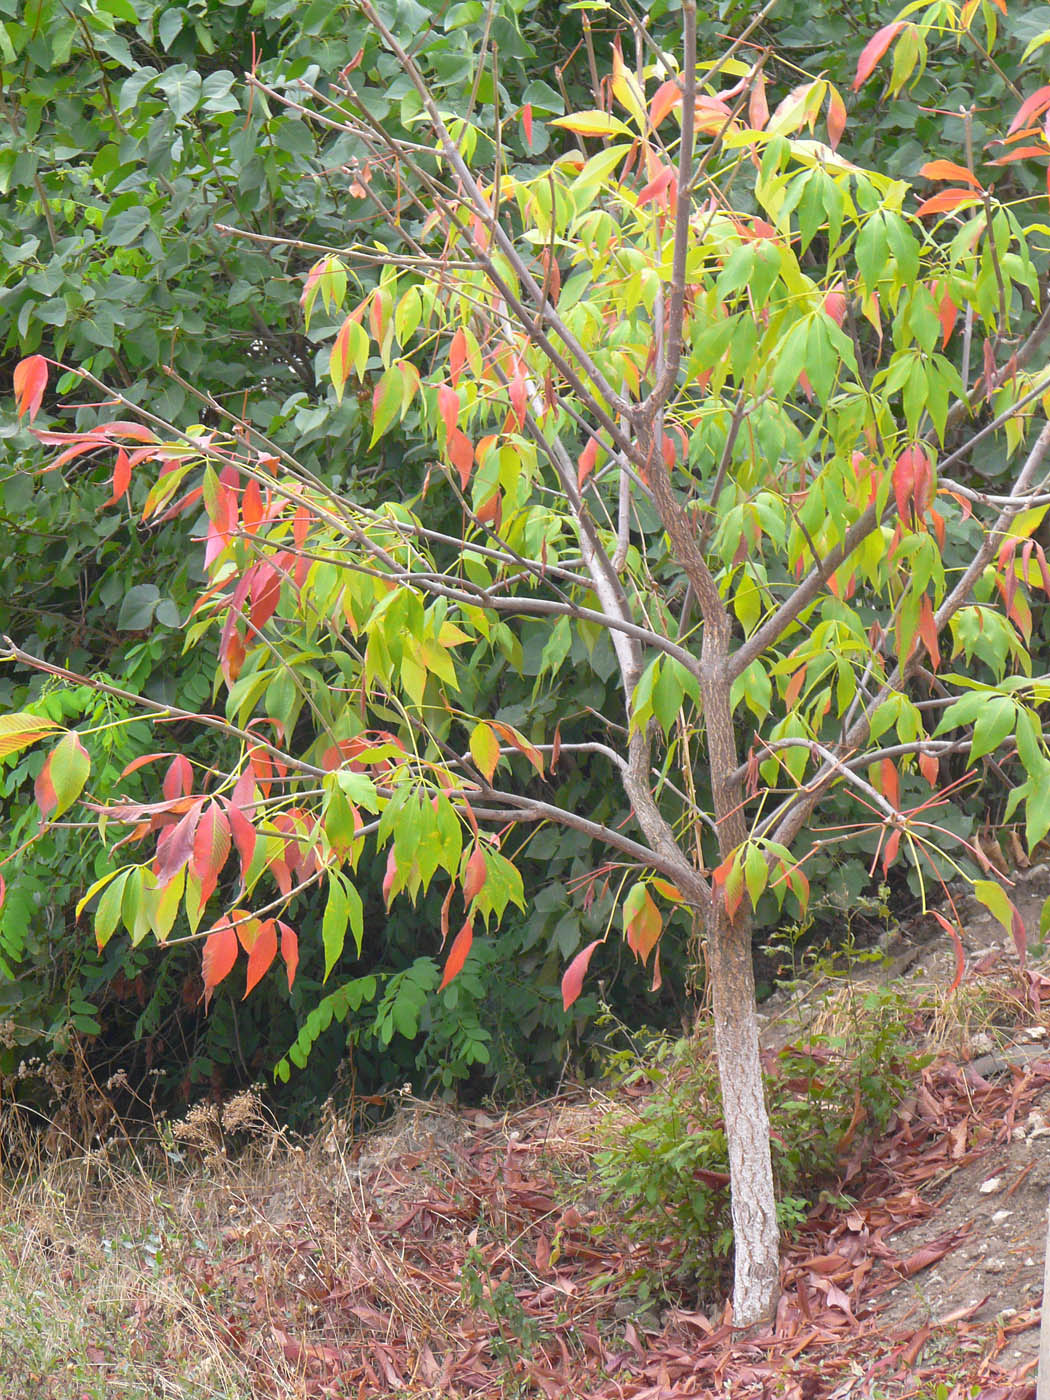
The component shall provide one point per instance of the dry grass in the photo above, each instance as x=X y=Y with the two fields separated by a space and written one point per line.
x=201 y=1265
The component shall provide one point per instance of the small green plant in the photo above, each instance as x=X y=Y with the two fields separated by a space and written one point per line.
x=519 y=1334
x=663 y=1163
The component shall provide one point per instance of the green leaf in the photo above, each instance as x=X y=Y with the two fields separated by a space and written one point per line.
x=334 y=922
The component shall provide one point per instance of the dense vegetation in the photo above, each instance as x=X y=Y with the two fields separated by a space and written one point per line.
x=163 y=217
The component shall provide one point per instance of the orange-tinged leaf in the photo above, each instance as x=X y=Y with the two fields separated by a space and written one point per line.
x=889 y=855
x=960 y=955
x=930 y=768
x=666 y=98
x=946 y=201
x=730 y=877
x=588 y=457
x=1020 y=153
x=461 y=455
x=30 y=382
x=211 y=846
x=484 y=749
x=121 y=476
x=526 y=122
x=474 y=876
x=389 y=877
x=457 y=357
x=513 y=736
x=948 y=170
x=19 y=730
x=289 y=950
x=61 y=780
x=757 y=106
x=263 y=952
x=572 y=981
x=218 y=957
x=928 y=631
x=890 y=782
x=642 y=923
x=1033 y=106
x=448 y=407
x=873 y=51
x=518 y=396
x=457 y=954
x=836 y=119
x=178 y=780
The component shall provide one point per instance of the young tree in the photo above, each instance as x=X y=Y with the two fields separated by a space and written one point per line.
x=694 y=397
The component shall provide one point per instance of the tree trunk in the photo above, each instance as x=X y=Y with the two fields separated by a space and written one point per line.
x=756 y=1275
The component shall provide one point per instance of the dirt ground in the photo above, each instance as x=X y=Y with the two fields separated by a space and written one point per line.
x=454 y=1254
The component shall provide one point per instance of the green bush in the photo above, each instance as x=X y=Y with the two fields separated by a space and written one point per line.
x=662 y=1163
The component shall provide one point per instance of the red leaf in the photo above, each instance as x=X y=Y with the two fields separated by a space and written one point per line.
x=644 y=929
x=928 y=631
x=3 y=891
x=667 y=96
x=945 y=201
x=219 y=956
x=526 y=121
x=178 y=780
x=211 y=847
x=390 y=876
x=457 y=954
x=121 y=476
x=457 y=357
x=448 y=407
x=263 y=952
x=891 y=783
x=30 y=383
x=836 y=119
x=461 y=455
x=904 y=481
x=930 y=768
x=960 y=956
x=1030 y=108
x=251 y=506
x=175 y=845
x=475 y=876
x=266 y=594
x=141 y=762
x=521 y=744
x=873 y=50
x=890 y=853
x=948 y=170
x=242 y=829
x=289 y=950
x=588 y=457
x=656 y=185
x=572 y=981
x=757 y=106
x=44 y=789
x=947 y=312
x=519 y=396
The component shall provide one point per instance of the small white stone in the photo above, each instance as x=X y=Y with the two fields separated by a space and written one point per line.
x=994 y=1183
x=1000 y=1216
x=1035 y=1032
x=993 y=1266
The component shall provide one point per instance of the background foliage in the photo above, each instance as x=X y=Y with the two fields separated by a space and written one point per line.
x=131 y=146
